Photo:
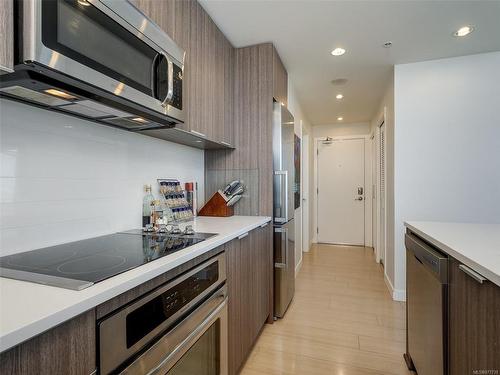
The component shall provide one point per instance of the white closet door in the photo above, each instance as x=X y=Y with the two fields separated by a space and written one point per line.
x=382 y=193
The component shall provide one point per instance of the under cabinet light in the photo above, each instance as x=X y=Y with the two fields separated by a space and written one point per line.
x=60 y=94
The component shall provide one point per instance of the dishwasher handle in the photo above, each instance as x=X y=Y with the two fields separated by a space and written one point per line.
x=431 y=259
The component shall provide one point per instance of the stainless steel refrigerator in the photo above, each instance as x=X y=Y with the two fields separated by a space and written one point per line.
x=283 y=197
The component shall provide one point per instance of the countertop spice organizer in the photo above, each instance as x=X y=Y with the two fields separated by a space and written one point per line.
x=175 y=198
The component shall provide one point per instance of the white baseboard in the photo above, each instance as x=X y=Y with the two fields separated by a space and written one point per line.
x=298 y=267
x=308 y=248
x=397 y=294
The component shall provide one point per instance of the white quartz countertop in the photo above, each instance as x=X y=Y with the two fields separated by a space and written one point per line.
x=28 y=309
x=475 y=245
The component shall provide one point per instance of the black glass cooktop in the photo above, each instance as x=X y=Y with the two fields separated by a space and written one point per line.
x=78 y=265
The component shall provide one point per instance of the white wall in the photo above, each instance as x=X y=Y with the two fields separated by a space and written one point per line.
x=64 y=179
x=302 y=126
x=447 y=144
x=362 y=129
x=386 y=108
x=340 y=130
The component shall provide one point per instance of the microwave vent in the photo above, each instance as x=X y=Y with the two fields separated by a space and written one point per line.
x=107 y=110
x=83 y=110
x=92 y=109
x=130 y=124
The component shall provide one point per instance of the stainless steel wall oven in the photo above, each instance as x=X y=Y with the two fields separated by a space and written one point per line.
x=179 y=328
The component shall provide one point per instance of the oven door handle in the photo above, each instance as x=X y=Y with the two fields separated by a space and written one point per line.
x=178 y=341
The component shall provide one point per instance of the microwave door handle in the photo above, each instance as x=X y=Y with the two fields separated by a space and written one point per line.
x=170 y=92
x=153 y=75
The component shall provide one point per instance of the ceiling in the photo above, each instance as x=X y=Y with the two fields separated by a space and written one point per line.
x=305 y=32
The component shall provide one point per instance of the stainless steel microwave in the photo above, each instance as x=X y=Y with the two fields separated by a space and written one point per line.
x=98 y=59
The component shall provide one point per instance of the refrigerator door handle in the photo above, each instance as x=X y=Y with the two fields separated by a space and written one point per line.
x=284 y=238
x=283 y=198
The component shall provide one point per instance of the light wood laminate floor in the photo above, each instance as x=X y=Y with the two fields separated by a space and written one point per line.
x=342 y=320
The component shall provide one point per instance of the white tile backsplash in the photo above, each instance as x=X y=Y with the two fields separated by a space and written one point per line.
x=63 y=179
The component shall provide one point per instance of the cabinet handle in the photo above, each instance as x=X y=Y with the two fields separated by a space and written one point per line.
x=480 y=279
x=225 y=143
x=264 y=225
x=243 y=236
x=198 y=133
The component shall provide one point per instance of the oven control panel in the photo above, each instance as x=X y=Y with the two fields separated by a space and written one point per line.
x=147 y=317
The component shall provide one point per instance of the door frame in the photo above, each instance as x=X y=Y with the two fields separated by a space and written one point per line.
x=381 y=230
x=366 y=138
x=374 y=166
x=304 y=167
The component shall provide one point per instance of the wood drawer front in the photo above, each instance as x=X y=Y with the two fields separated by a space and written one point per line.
x=474 y=323
x=68 y=349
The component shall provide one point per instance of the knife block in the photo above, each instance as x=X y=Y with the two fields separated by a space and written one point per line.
x=216 y=206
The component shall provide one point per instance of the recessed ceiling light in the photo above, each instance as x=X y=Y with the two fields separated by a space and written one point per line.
x=338 y=51
x=463 y=31
x=339 y=81
x=340 y=118
x=339 y=96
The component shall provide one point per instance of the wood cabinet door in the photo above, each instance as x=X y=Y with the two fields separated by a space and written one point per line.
x=223 y=123
x=262 y=276
x=235 y=305
x=208 y=66
x=474 y=324
x=280 y=79
x=69 y=349
x=248 y=282
x=234 y=269
x=7 y=36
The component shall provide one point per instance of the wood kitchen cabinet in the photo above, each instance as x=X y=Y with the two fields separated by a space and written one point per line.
x=6 y=36
x=474 y=323
x=248 y=278
x=68 y=349
x=208 y=66
x=280 y=79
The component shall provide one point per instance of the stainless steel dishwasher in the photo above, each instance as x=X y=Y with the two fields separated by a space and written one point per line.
x=426 y=307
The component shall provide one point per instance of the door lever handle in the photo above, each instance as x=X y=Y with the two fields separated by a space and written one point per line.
x=358 y=199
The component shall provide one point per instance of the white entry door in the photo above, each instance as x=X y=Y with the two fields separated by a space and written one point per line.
x=341 y=180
